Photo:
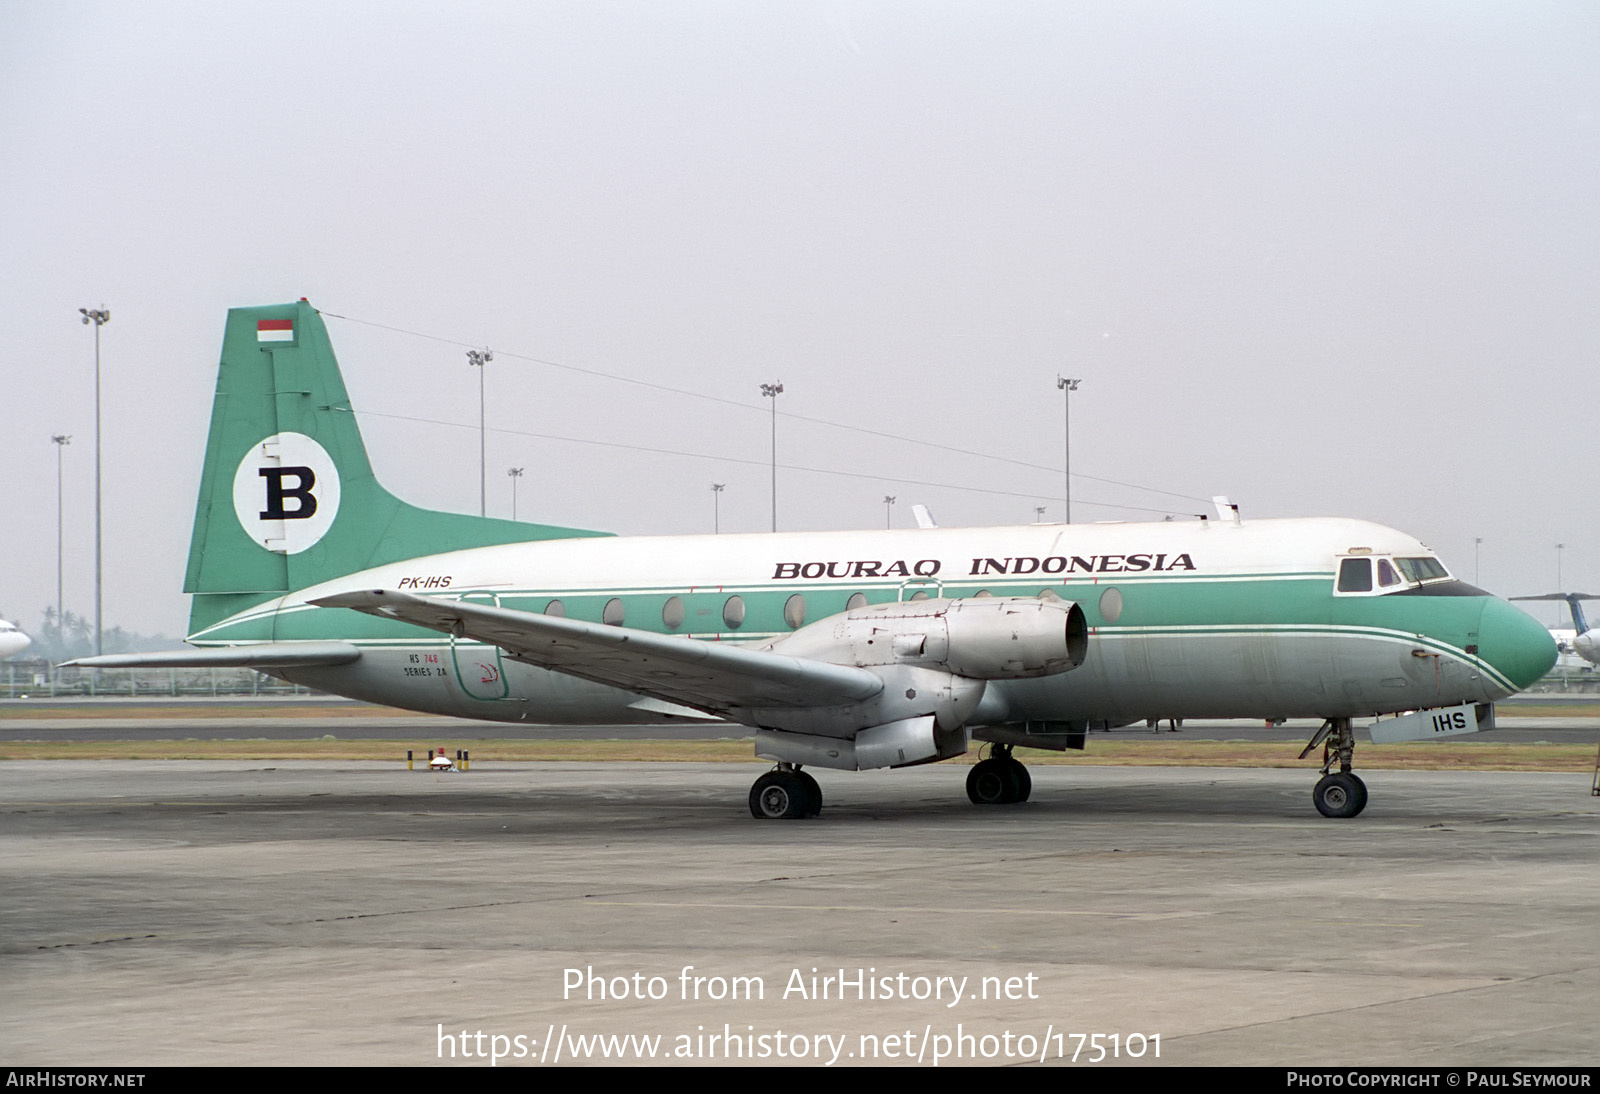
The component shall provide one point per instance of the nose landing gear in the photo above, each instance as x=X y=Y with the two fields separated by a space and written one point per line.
x=1341 y=793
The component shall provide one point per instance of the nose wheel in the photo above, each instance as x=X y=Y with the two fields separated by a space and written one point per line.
x=785 y=793
x=1341 y=794
x=1338 y=794
x=1001 y=779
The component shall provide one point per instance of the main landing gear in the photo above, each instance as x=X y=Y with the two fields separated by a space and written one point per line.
x=785 y=793
x=1338 y=793
x=1000 y=780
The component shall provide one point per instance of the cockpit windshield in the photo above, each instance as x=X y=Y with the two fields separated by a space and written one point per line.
x=1422 y=569
x=1374 y=575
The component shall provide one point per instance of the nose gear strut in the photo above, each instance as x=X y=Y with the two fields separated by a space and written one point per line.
x=1338 y=793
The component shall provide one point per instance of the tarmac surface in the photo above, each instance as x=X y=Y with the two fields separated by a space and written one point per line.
x=258 y=913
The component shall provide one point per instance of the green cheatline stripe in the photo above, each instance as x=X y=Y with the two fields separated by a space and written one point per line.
x=768 y=593
x=1191 y=632
x=1411 y=638
x=1004 y=583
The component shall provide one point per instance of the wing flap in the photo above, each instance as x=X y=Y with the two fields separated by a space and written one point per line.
x=710 y=676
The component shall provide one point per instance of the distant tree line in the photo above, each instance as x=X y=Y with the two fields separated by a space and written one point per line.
x=71 y=635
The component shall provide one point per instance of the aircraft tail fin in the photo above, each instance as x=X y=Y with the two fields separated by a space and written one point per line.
x=1574 y=602
x=287 y=495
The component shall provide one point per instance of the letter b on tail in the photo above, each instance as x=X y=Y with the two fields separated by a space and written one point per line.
x=286 y=493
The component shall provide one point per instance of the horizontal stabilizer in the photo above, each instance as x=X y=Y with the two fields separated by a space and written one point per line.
x=263 y=655
x=709 y=676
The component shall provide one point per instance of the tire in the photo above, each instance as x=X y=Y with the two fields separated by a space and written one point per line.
x=992 y=782
x=813 y=792
x=1024 y=780
x=1361 y=792
x=1339 y=795
x=780 y=795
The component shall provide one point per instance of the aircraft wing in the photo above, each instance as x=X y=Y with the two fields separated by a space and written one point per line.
x=710 y=676
x=261 y=655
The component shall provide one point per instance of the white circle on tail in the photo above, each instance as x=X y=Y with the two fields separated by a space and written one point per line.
x=286 y=492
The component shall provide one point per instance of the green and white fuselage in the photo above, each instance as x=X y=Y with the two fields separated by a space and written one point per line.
x=1187 y=620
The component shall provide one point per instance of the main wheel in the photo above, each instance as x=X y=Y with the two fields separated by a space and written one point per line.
x=1339 y=795
x=781 y=795
x=992 y=782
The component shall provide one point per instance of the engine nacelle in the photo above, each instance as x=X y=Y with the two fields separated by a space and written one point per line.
x=984 y=638
x=935 y=658
x=895 y=744
x=909 y=691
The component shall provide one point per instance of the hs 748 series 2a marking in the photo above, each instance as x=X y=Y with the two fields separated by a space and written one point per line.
x=845 y=650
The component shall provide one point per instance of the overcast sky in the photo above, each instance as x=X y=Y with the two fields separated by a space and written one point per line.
x=1328 y=259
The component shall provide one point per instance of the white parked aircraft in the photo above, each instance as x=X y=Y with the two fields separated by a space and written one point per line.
x=12 y=640
x=845 y=650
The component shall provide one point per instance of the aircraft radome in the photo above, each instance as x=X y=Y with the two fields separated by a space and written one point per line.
x=846 y=650
x=1583 y=640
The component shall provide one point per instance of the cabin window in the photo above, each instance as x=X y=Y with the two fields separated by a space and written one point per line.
x=1111 y=605
x=858 y=600
x=733 y=612
x=920 y=594
x=672 y=613
x=556 y=608
x=1049 y=594
x=794 y=611
x=1355 y=575
x=982 y=592
x=613 y=613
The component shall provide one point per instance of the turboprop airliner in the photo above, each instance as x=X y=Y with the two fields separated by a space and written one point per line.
x=843 y=650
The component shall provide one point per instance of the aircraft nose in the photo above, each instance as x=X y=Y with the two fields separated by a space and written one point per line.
x=1514 y=644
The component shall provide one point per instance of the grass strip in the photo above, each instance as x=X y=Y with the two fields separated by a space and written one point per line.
x=1433 y=756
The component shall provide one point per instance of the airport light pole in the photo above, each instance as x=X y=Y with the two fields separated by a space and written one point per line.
x=99 y=317
x=478 y=359
x=772 y=391
x=1067 y=387
x=515 y=473
x=1477 y=542
x=716 y=507
x=61 y=441
x=888 y=502
x=1559 y=588
x=1038 y=514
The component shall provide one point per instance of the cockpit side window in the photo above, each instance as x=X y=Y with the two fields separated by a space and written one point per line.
x=1386 y=575
x=1355 y=575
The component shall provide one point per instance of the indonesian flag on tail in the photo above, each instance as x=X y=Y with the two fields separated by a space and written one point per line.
x=275 y=330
